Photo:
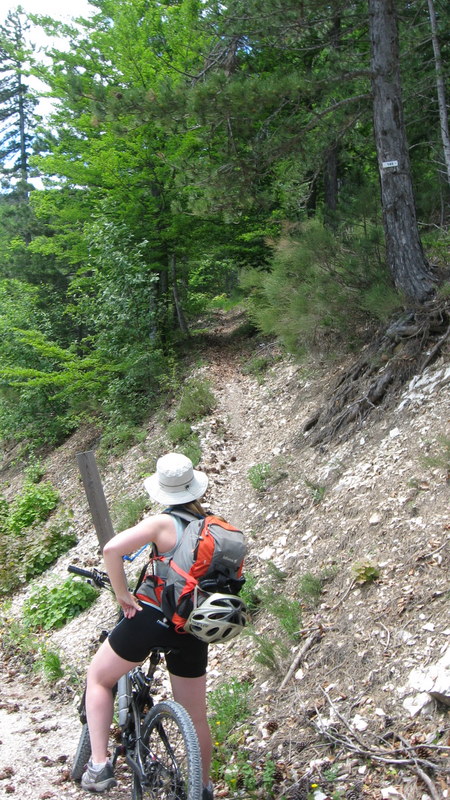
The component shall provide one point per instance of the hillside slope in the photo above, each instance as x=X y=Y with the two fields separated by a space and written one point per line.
x=378 y=500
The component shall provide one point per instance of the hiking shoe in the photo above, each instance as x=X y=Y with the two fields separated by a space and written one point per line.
x=98 y=780
x=208 y=792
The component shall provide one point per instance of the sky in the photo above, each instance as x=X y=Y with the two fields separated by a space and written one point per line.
x=54 y=8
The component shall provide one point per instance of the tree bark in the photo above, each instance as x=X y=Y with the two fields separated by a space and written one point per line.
x=330 y=182
x=405 y=257
x=178 y=307
x=440 y=84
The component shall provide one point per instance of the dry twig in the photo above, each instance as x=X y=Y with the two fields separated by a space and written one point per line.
x=312 y=638
x=404 y=756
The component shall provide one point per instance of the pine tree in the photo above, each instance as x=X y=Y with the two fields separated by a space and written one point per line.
x=17 y=104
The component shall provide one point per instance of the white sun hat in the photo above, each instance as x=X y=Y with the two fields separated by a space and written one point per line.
x=175 y=480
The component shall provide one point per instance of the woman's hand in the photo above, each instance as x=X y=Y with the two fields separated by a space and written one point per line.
x=129 y=604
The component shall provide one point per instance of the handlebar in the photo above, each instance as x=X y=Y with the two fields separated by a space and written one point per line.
x=100 y=579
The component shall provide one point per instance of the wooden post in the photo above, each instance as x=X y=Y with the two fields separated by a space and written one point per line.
x=96 y=498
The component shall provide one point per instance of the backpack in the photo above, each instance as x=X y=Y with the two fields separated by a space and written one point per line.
x=208 y=558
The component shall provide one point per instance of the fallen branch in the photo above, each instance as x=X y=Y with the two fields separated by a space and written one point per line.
x=422 y=775
x=312 y=638
x=404 y=756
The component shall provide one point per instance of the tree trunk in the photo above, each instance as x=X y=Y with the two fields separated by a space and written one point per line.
x=443 y=116
x=330 y=185
x=330 y=181
x=407 y=263
x=180 y=315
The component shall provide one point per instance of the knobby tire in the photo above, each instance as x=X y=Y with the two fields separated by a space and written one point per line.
x=82 y=754
x=170 y=754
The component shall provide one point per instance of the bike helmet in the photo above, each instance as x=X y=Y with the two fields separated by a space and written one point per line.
x=219 y=618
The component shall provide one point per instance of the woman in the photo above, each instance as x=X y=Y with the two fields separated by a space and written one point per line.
x=175 y=483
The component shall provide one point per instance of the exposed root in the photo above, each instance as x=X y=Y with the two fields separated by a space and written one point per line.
x=408 y=345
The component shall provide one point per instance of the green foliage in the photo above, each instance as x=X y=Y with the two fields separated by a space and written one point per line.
x=157 y=185
x=239 y=771
x=276 y=574
x=41 y=553
x=232 y=763
x=317 y=491
x=225 y=303
x=24 y=557
x=49 y=664
x=4 y=511
x=258 y=366
x=288 y=614
x=269 y=651
x=185 y=440
x=35 y=504
x=117 y=438
x=249 y=593
x=35 y=471
x=26 y=410
x=268 y=776
x=17 y=640
x=197 y=401
x=229 y=706
x=380 y=301
x=127 y=511
x=178 y=432
x=259 y=476
x=444 y=290
x=317 y=287
x=365 y=572
x=51 y=607
x=310 y=588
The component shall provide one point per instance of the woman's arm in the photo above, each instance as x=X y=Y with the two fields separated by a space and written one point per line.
x=160 y=530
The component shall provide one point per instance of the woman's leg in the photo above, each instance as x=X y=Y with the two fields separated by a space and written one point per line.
x=191 y=694
x=104 y=671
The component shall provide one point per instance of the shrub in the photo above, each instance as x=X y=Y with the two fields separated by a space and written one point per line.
x=40 y=554
x=268 y=651
x=259 y=476
x=186 y=441
x=288 y=613
x=49 y=663
x=178 y=432
x=257 y=366
x=128 y=511
x=18 y=640
x=118 y=438
x=310 y=588
x=52 y=607
x=249 y=593
x=24 y=557
x=365 y=572
x=34 y=504
x=34 y=472
x=197 y=401
x=229 y=705
x=320 y=286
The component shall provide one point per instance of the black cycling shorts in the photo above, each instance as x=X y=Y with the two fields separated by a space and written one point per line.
x=132 y=639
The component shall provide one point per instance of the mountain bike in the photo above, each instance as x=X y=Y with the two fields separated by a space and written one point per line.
x=158 y=740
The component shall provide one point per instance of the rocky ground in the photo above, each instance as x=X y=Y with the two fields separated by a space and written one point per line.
x=358 y=703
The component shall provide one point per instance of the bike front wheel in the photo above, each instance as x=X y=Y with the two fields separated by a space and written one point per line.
x=82 y=755
x=169 y=755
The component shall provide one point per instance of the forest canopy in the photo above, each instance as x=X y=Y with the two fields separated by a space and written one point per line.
x=293 y=157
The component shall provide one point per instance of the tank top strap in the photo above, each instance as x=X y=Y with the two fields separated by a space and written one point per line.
x=180 y=526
